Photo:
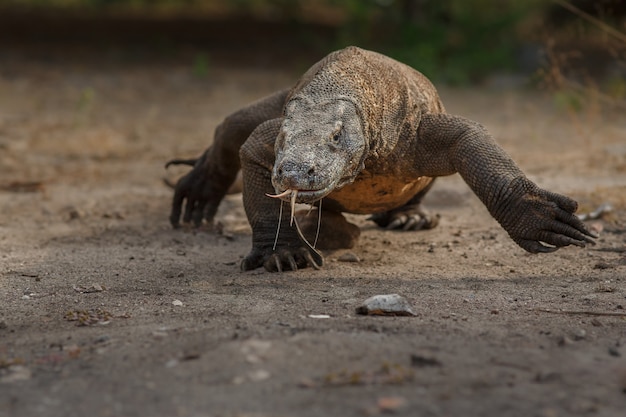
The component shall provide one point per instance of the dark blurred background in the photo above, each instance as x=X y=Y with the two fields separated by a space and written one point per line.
x=458 y=42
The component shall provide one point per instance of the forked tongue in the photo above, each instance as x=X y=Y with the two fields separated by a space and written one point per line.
x=317 y=256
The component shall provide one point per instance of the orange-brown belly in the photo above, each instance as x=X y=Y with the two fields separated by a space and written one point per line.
x=376 y=194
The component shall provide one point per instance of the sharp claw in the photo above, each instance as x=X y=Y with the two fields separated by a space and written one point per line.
x=590 y=240
x=541 y=248
x=415 y=224
x=311 y=261
x=397 y=222
x=292 y=262
x=278 y=263
x=188 y=210
x=198 y=213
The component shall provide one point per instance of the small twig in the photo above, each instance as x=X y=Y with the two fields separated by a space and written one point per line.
x=602 y=25
x=582 y=312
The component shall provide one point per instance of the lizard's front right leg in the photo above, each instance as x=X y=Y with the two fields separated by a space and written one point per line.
x=275 y=243
x=202 y=189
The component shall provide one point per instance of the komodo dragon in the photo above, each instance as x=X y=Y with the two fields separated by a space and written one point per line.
x=361 y=133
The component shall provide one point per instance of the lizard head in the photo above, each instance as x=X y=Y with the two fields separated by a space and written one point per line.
x=320 y=148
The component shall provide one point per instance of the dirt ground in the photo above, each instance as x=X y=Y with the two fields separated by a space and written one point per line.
x=105 y=310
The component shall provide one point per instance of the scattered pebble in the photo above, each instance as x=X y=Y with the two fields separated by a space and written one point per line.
x=75 y=213
x=16 y=373
x=596 y=227
x=564 y=341
x=177 y=303
x=90 y=289
x=614 y=352
x=3 y=325
x=422 y=360
x=73 y=351
x=390 y=404
x=89 y=317
x=319 y=316
x=547 y=376
x=255 y=350
x=171 y=363
x=386 y=305
x=258 y=375
x=604 y=287
x=159 y=335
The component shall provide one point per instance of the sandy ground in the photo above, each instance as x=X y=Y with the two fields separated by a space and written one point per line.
x=107 y=311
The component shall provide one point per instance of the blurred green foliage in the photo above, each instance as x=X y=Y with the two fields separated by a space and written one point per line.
x=457 y=41
x=452 y=40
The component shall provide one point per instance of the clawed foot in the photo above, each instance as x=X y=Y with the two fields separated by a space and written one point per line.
x=406 y=218
x=282 y=259
x=198 y=192
x=541 y=221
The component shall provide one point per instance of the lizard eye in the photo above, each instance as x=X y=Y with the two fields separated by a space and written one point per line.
x=336 y=137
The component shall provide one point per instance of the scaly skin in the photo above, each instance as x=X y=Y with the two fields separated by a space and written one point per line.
x=362 y=133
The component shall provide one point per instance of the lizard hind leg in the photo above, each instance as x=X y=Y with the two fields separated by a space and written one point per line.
x=410 y=216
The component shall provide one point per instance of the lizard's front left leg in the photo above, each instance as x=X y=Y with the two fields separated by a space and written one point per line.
x=536 y=219
x=275 y=244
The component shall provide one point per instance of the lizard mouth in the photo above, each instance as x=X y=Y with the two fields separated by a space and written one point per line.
x=302 y=196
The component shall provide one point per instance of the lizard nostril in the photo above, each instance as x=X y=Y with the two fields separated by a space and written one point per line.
x=311 y=171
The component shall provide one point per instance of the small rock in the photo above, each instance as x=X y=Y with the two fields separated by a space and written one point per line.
x=177 y=303
x=87 y=290
x=580 y=334
x=386 y=305
x=258 y=375
x=547 y=376
x=349 y=257
x=421 y=361
x=390 y=404
x=319 y=316
x=16 y=373
x=614 y=352
x=564 y=341
x=74 y=213
x=3 y=325
x=596 y=227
